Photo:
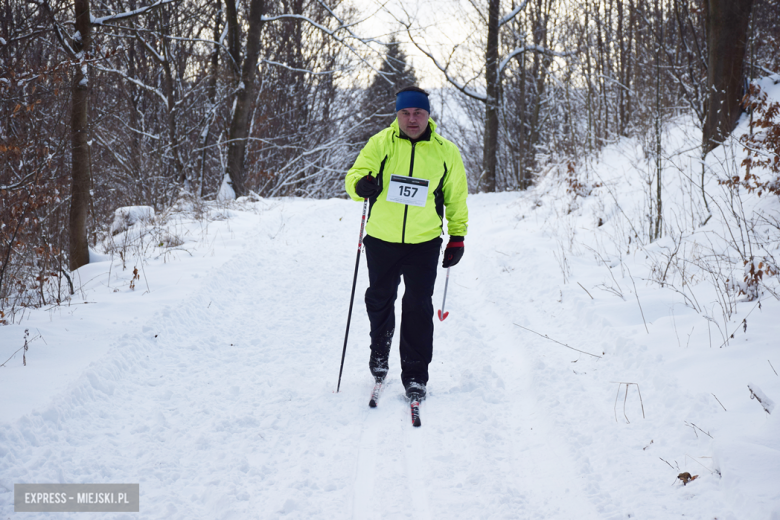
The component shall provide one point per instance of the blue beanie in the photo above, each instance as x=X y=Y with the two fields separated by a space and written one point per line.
x=412 y=99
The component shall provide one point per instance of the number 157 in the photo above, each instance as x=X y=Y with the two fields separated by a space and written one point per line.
x=407 y=191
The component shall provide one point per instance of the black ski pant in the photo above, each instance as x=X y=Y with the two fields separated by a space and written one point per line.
x=387 y=262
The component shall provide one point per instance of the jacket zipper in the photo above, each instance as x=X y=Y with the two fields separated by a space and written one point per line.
x=406 y=206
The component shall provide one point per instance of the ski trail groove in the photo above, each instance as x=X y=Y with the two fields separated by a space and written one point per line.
x=363 y=492
x=414 y=461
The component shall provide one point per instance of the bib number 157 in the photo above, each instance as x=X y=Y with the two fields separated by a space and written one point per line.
x=408 y=190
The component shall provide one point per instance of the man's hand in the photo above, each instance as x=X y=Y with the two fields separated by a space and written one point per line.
x=453 y=252
x=368 y=187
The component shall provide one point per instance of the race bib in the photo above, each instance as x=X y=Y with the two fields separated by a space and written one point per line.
x=408 y=190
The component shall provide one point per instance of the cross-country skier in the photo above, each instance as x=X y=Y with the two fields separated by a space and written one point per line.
x=414 y=179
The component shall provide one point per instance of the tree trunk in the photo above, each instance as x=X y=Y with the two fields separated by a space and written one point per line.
x=234 y=34
x=173 y=137
x=490 y=146
x=239 y=125
x=79 y=198
x=727 y=25
x=211 y=93
x=525 y=170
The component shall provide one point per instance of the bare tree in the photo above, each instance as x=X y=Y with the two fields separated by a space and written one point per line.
x=727 y=34
x=239 y=125
x=493 y=70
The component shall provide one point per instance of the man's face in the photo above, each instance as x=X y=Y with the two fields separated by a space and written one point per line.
x=413 y=121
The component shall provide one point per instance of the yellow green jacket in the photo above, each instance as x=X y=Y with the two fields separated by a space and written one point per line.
x=437 y=160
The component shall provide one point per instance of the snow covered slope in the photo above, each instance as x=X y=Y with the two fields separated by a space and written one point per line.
x=565 y=384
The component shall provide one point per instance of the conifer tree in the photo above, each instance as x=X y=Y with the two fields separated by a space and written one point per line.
x=378 y=107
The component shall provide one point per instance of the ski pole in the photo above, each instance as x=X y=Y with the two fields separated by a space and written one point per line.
x=352 y=297
x=443 y=315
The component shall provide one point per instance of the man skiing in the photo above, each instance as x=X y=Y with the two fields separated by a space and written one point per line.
x=413 y=179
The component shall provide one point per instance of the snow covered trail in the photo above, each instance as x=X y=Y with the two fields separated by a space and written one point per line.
x=224 y=405
x=221 y=409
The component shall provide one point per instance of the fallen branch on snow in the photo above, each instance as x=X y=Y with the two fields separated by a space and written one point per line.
x=545 y=336
x=758 y=395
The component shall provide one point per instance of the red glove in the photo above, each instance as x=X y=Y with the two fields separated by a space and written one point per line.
x=453 y=252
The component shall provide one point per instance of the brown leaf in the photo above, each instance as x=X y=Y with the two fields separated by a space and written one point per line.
x=687 y=477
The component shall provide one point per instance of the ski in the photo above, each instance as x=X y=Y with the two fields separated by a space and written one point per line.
x=375 y=394
x=415 y=405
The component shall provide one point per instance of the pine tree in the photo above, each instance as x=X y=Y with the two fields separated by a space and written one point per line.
x=378 y=106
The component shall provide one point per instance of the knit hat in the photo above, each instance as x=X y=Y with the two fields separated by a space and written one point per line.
x=412 y=98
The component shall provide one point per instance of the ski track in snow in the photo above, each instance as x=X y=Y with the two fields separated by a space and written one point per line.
x=363 y=491
x=226 y=406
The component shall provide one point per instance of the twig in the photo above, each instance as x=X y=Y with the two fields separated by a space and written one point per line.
x=23 y=347
x=70 y=282
x=558 y=342
x=625 y=399
x=584 y=289
x=773 y=368
x=619 y=291
x=636 y=293
x=688 y=343
x=691 y=425
x=731 y=336
x=699 y=463
x=641 y=403
x=14 y=354
x=614 y=407
x=674 y=322
x=716 y=398
x=667 y=463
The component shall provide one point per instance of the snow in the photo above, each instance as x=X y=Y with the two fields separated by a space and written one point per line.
x=128 y=216
x=226 y=191
x=212 y=381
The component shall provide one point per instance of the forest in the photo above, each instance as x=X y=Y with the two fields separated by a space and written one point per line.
x=154 y=102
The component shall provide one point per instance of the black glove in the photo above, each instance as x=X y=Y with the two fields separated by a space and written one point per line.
x=368 y=187
x=453 y=252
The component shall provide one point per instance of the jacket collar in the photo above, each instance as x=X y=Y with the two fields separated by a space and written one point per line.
x=426 y=136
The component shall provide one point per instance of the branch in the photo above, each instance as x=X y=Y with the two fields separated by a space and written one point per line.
x=154 y=53
x=347 y=26
x=128 y=14
x=21 y=183
x=508 y=18
x=307 y=71
x=452 y=81
x=531 y=48
x=545 y=336
x=331 y=33
x=58 y=31
x=136 y=82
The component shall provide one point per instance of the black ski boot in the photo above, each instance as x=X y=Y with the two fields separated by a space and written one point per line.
x=415 y=391
x=380 y=352
x=378 y=363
